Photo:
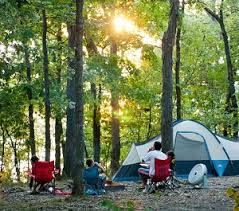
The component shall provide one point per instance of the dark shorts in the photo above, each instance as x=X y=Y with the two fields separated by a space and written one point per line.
x=144 y=174
x=143 y=171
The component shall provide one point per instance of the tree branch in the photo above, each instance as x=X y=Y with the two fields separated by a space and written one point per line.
x=209 y=11
x=213 y=14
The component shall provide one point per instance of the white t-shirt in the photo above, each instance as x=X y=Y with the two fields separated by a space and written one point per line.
x=150 y=156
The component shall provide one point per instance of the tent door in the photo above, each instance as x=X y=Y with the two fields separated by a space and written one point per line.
x=190 y=149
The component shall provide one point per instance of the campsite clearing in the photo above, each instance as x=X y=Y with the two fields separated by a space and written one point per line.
x=183 y=198
x=193 y=143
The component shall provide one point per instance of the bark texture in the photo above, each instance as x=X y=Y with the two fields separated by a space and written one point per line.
x=30 y=107
x=167 y=89
x=46 y=87
x=58 y=123
x=115 y=124
x=178 y=64
x=69 y=149
x=78 y=187
x=92 y=51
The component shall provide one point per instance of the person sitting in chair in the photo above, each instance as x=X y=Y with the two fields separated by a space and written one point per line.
x=92 y=176
x=35 y=159
x=153 y=152
x=171 y=156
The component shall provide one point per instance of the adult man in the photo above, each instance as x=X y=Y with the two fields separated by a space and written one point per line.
x=154 y=152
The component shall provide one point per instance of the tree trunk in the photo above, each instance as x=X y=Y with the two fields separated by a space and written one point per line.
x=69 y=149
x=58 y=123
x=96 y=122
x=92 y=50
x=78 y=187
x=167 y=89
x=47 y=87
x=178 y=63
x=149 y=124
x=231 y=101
x=3 y=149
x=115 y=153
x=58 y=135
x=231 y=98
x=30 y=107
x=16 y=160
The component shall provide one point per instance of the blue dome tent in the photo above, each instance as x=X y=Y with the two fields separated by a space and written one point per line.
x=193 y=143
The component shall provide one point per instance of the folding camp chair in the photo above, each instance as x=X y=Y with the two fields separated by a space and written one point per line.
x=94 y=184
x=43 y=173
x=162 y=178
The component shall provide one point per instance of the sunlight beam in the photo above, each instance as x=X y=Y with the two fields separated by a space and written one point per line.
x=122 y=24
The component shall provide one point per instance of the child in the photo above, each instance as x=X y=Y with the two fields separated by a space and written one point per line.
x=92 y=175
x=171 y=155
x=34 y=159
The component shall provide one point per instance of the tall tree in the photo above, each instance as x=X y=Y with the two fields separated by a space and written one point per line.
x=96 y=121
x=178 y=63
x=46 y=87
x=92 y=51
x=231 y=100
x=115 y=124
x=167 y=88
x=70 y=120
x=78 y=187
x=30 y=107
x=58 y=122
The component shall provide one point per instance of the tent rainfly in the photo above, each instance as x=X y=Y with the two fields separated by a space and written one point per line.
x=193 y=143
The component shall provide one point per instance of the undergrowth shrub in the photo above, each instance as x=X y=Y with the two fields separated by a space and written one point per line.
x=111 y=205
x=232 y=193
x=5 y=176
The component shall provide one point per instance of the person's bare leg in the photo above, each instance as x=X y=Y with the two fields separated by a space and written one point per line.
x=41 y=188
x=34 y=191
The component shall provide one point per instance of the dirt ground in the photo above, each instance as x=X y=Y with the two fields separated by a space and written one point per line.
x=131 y=198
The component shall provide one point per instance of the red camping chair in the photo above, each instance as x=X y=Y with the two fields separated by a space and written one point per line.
x=162 y=170
x=162 y=176
x=43 y=173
